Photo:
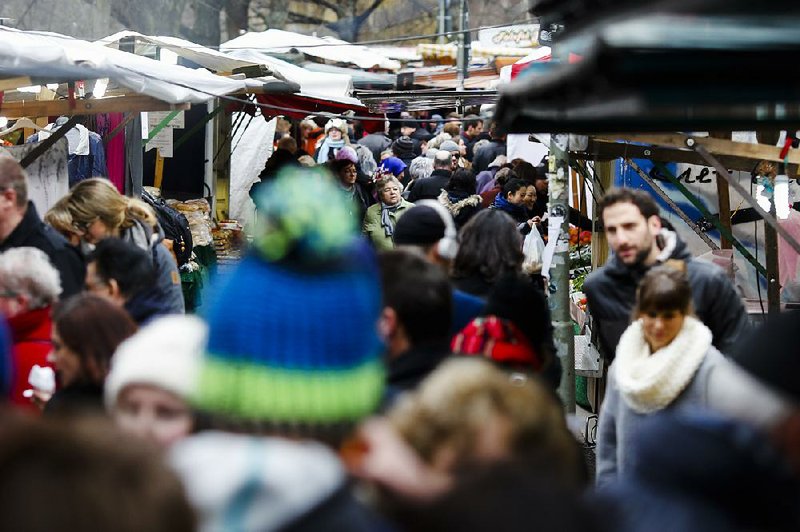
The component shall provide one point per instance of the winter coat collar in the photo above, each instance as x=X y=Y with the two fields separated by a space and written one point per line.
x=651 y=382
x=671 y=246
x=454 y=202
x=30 y=224
x=504 y=205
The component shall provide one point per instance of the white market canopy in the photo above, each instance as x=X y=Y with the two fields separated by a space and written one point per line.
x=37 y=58
x=326 y=48
x=335 y=87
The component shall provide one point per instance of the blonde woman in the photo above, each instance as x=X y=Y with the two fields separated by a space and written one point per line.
x=60 y=219
x=381 y=218
x=99 y=211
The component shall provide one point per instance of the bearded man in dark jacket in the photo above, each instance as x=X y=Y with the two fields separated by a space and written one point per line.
x=635 y=234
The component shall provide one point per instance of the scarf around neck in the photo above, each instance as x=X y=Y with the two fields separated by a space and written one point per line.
x=504 y=205
x=649 y=382
x=327 y=144
x=386 y=220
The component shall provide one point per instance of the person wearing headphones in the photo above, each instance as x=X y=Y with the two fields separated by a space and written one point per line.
x=428 y=228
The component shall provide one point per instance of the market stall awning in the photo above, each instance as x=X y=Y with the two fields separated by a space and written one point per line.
x=446 y=77
x=420 y=100
x=450 y=51
x=665 y=73
x=267 y=80
x=326 y=48
x=361 y=79
x=205 y=57
x=329 y=85
x=38 y=58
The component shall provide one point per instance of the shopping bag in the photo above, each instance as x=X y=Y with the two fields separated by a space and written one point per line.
x=533 y=249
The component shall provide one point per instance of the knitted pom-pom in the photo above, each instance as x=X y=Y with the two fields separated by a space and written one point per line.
x=303 y=215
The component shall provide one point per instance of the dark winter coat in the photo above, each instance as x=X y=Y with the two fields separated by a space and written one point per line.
x=429 y=187
x=461 y=205
x=611 y=295
x=487 y=154
x=377 y=143
x=407 y=370
x=698 y=472
x=33 y=232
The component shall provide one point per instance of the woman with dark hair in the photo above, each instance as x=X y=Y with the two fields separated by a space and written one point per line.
x=490 y=248
x=665 y=360
x=459 y=197
x=86 y=331
x=346 y=174
x=511 y=201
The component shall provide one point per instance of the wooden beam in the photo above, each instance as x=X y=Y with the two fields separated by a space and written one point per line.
x=14 y=83
x=122 y=104
x=717 y=147
x=724 y=196
x=604 y=150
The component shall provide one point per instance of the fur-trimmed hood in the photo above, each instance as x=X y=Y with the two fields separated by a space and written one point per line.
x=455 y=202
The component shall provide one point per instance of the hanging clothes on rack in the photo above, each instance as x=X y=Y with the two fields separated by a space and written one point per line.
x=115 y=147
x=87 y=157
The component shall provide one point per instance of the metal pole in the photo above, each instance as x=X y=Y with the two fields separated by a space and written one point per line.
x=773 y=272
x=559 y=273
x=467 y=39
x=460 y=56
x=442 y=27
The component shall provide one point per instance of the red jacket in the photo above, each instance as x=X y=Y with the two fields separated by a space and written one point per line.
x=31 y=335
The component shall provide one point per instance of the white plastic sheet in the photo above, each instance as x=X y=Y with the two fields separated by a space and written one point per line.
x=328 y=48
x=57 y=58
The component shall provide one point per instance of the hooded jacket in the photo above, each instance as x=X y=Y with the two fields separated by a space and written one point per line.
x=611 y=295
x=461 y=205
x=166 y=294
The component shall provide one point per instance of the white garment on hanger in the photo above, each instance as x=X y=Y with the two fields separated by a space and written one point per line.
x=77 y=137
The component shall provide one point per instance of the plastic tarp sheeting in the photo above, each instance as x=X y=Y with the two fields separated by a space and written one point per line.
x=252 y=146
x=323 y=85
x=205 y=57
x=53 y=58
x=327 y=48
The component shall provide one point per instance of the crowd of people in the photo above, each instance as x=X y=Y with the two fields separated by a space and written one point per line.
x=378 y=360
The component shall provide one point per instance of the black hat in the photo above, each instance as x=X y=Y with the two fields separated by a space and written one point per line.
x=403 y=145
x=419 y=226
x=409 y=123
x=771 y=354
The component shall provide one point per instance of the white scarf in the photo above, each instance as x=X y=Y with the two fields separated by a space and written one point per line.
x=650 y=382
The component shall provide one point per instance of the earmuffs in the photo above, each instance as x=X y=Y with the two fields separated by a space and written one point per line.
x=448 y=245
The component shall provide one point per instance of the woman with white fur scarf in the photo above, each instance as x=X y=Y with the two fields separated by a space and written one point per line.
x=664 y=360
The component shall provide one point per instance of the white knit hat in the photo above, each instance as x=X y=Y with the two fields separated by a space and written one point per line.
x=164 y=354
